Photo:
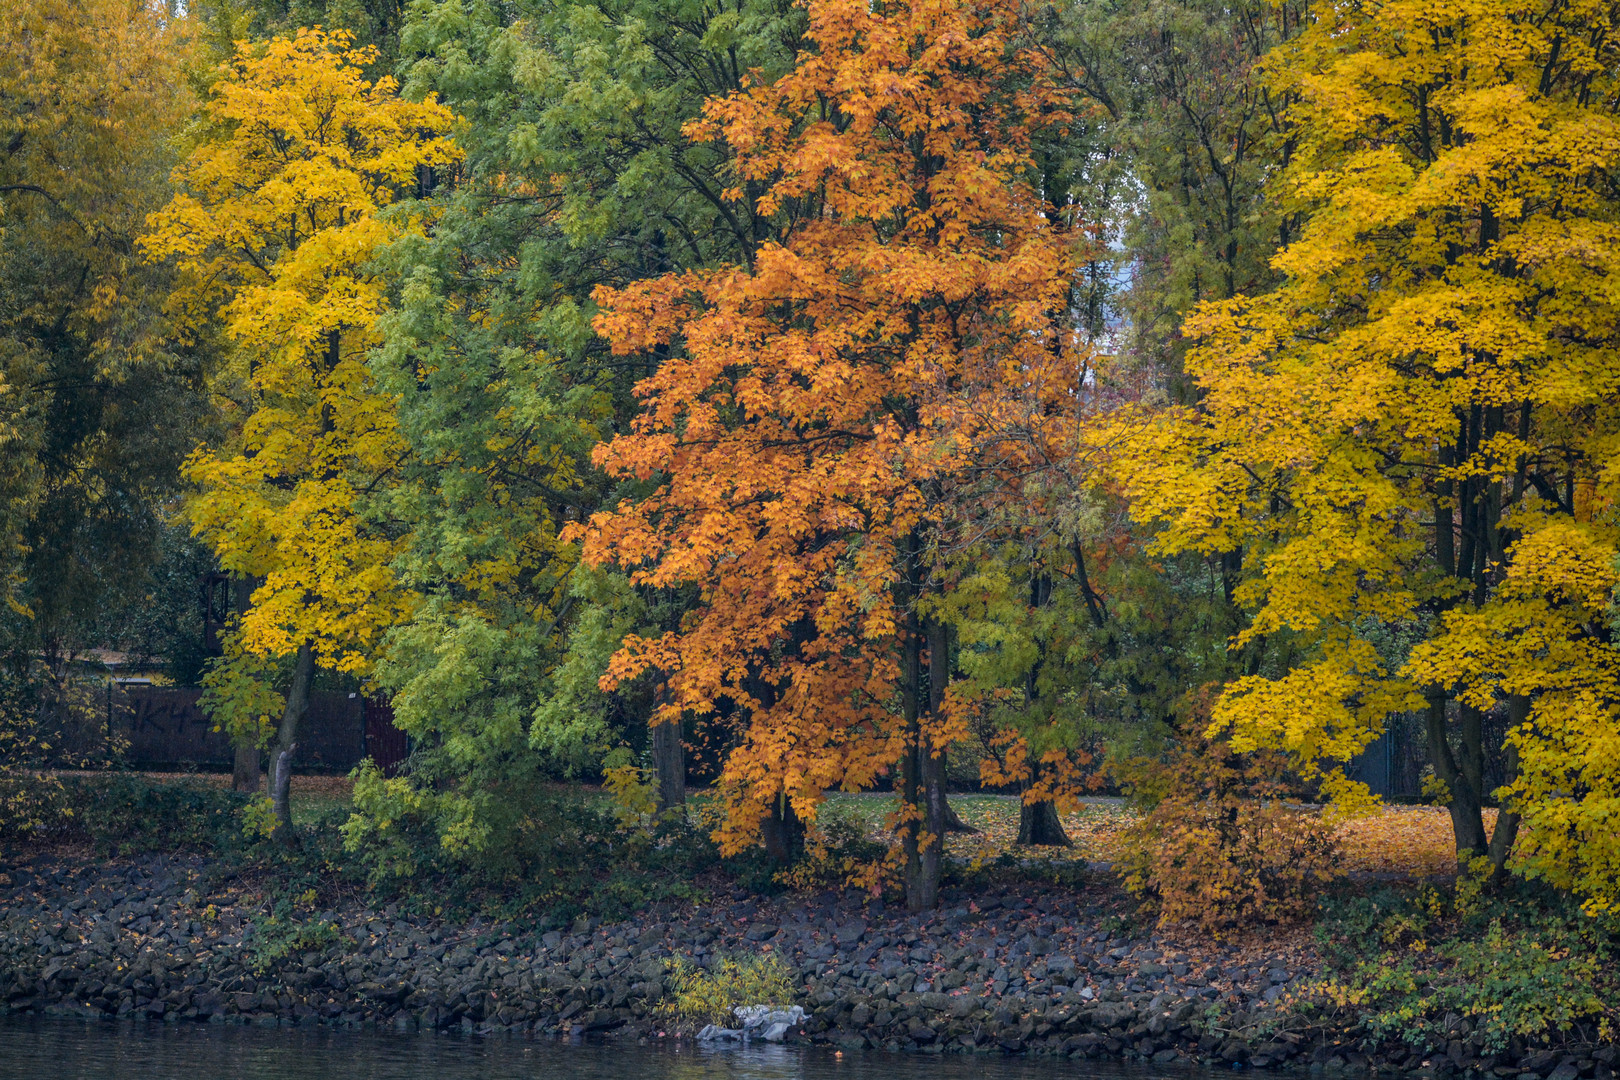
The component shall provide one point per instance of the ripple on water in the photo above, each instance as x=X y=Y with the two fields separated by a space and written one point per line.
x=35 y=1048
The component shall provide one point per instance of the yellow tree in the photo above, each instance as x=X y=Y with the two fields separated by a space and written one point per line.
x=276 y=220
x=1414 y=437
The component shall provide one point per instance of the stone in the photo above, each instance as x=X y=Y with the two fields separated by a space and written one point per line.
x=851 y=932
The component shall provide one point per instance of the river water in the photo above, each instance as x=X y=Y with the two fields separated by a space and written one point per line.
x=51 y=1049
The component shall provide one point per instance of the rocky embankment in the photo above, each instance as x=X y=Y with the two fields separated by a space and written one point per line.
x=164 y=939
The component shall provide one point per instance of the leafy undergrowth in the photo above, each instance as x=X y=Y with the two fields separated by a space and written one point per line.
x=1523 y=966
x=707 y=995
x=1411 y=841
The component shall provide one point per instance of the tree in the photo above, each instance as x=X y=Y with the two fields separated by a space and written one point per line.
x=1414 y=431
x=100 y=393
x=813 y=412
x=1186 y=131
x=275 y=225
x=577 y=174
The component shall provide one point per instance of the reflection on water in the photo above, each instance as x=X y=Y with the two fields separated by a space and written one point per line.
x=74 y=1050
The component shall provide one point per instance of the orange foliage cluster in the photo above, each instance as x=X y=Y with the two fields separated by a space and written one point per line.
x=1223 y=846
x=818 y=409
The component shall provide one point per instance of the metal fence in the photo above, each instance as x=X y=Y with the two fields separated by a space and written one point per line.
x=164 y=727
x=1394 y=764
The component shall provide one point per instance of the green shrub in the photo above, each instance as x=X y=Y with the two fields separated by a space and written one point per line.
x=1524 y=965
x=121 y=814
x=288 y=930
x=701 y=996
x=529 y=848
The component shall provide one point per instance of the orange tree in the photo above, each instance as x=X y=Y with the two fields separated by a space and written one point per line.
x=818 y=407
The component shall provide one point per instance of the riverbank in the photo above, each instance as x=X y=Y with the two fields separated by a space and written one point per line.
x=181 y=938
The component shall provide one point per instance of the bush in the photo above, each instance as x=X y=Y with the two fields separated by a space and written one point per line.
x=289 y=929
x=125 y=815
x=1220 y=845
x=529 y=848
x=121 y=814
x=701 y=996
x=1417 y=966
x=45 y=724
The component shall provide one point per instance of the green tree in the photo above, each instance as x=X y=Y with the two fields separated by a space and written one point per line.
x=577 y=174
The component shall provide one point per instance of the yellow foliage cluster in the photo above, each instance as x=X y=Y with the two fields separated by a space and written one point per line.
x=278 y=213
x=707 y=995
x=1419 y=428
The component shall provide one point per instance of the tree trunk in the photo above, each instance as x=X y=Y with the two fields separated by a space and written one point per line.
x=245 y=770
x=1462 y=777
x=783 y=832
x=953 y=821
x=922 y=776
x=286 y=745
x=1040 y=826
x=669 y=763
x=1507 y=818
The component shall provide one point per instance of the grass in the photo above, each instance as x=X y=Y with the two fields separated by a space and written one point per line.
x=1095 y=827
x=1397 y=840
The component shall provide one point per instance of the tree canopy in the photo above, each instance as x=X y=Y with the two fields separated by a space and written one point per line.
x=802 y=396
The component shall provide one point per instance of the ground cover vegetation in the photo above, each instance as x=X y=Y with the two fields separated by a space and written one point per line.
x=795 y=416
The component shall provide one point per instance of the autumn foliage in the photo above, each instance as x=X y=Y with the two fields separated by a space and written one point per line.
x=1414 y=433
x=1223 y=844
x=846 y=388
x=274 y=225
x=818 y=406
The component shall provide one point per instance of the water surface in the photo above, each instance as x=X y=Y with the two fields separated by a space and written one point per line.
x=39 y=1048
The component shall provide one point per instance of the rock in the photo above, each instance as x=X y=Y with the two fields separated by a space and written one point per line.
x=851 y=932
x=920 y=1031
x=761 y=932
x=1566 y=1071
